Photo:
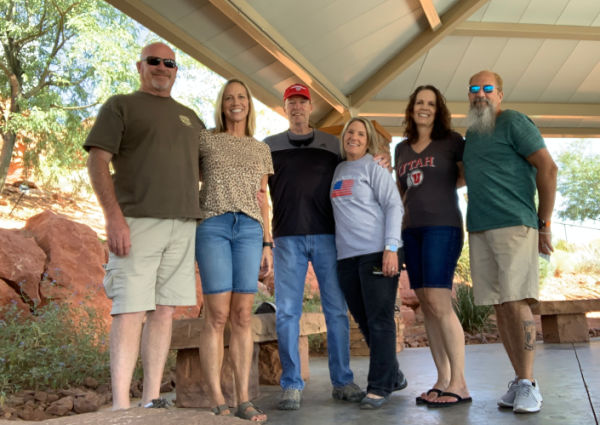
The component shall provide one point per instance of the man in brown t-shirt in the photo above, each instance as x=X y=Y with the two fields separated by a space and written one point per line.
x=150 y=205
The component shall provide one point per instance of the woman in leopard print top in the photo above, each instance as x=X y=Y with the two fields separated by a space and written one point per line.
x=233 y=240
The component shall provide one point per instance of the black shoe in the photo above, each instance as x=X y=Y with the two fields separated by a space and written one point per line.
x=368 y=403
x=401 y=382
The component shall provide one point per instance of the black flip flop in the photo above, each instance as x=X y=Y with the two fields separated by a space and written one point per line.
x=459 y=400
x=421 y=400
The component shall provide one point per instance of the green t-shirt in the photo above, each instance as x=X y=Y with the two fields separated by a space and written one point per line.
x=500 y=180
x=155 y=146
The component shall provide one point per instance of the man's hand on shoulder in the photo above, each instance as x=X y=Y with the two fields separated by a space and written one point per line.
x=117 y=231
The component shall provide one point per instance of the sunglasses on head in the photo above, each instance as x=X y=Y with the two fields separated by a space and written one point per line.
x=488 y=88
x=155 y=61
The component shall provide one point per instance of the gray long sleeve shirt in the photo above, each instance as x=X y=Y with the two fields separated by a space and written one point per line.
x=367 y=208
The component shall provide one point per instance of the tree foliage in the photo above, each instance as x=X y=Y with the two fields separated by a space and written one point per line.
x=59 y=59
x=578 y=177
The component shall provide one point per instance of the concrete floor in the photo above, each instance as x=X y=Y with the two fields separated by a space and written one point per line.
x=569 y=377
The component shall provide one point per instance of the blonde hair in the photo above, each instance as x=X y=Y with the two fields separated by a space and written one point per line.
x=220 y=123
x=373 y=145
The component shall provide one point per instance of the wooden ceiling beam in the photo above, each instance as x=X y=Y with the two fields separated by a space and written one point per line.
x=396 y=108
x=499 y=29
x=253 y=24
x=555 y=132
x=415 y=48
x=432 y=16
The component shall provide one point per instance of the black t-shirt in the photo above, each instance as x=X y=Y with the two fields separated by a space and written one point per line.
x=428 y=182
x=304 y=166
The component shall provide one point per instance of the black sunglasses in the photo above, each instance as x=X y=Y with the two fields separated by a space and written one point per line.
x=488 y=88
x=155 y=61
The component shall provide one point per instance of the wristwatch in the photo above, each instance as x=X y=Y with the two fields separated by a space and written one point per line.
x=543 y=224
x=391 y=248
x=269 y=244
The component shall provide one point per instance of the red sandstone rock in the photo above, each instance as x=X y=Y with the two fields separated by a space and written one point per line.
x=311 y=284
x=61 y=407
x=8 y=296
x=407 y=295
x=408 y=315
x=21 y=263
x=90 y=402
x=74 y=261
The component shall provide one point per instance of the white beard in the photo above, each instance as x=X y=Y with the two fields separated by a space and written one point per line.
x=482 y=119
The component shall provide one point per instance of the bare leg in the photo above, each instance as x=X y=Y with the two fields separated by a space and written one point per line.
x=124 y=348
x=241 y=345
x=436 y=346
x=211 y=351
x=517 y=330
x=447 y=325
x=156 y=339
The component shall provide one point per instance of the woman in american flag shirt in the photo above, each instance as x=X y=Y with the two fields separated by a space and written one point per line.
x=368 y=215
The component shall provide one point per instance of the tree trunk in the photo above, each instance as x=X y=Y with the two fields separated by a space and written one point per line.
x=8 y=138
x=8 y=143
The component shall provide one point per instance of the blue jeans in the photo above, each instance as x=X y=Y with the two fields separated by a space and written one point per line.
x=228 y=252
x=371 y=299
x=291 y=256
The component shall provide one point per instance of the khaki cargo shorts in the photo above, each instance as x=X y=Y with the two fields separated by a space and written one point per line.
x=504 y=265
x=159 y=269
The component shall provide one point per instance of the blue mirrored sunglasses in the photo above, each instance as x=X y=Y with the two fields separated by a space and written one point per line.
x=488 y=88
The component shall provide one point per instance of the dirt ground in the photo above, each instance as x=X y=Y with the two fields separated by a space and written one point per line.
x=139 y=416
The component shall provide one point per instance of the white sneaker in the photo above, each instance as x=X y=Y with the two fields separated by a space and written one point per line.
x=528 y=398
x=508 y=399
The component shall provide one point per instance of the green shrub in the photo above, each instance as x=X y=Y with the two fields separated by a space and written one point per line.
x=563 y=245
x=463 y=267
x=473 y=318
x=58 y=347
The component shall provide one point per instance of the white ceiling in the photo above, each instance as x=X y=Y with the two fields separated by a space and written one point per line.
x=365 y=57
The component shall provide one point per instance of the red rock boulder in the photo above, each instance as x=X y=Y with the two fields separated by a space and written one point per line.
x=407 y=295
x=21 y=264
x=8 y=296
x=75 y=256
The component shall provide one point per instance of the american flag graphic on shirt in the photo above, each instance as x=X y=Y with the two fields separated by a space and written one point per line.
x=342 y=188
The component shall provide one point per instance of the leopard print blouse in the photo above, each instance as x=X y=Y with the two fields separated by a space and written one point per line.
x=231 y=169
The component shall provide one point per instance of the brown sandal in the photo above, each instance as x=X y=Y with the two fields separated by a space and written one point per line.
x=248 y=410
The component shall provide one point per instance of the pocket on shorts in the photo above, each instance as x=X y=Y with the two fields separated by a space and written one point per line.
x=108 y=281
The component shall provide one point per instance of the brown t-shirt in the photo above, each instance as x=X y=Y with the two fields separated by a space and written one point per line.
x=154 y=142
x=232 y=168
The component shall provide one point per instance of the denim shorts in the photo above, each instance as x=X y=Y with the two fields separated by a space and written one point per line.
x=431 y=254
x=228 y=252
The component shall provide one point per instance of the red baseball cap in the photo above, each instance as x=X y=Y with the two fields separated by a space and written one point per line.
x=296 y=90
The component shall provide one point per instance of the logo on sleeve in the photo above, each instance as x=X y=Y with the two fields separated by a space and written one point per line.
x=185 y=120
x=342 y=188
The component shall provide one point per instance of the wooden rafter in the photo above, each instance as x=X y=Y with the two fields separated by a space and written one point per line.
x=417 y=47
x=432 y=16
x=497 y=29
x=396 y=108
x=253 y=24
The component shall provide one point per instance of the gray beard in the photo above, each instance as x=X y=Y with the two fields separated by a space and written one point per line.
x=482 y=120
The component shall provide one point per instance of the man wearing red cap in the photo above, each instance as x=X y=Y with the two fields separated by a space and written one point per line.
x=304 y=160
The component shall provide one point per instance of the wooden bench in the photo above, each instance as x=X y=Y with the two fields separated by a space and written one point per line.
x=192 y=391
x=565 y=321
